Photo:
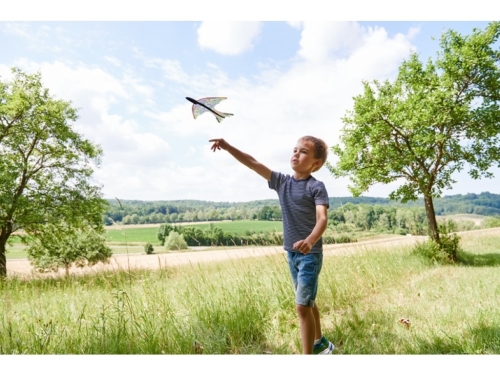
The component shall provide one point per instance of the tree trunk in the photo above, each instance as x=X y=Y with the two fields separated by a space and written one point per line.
x=431 y=218
x=5 y=232
x=3 y=258
x=3 y=262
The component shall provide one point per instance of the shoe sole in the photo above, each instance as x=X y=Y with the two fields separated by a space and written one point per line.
x=328 y=350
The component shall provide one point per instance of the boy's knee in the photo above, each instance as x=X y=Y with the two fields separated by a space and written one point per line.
x=303 y=310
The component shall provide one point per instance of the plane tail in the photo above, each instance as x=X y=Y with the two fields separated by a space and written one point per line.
x=222 y=116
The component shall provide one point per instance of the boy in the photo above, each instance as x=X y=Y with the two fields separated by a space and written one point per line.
x=304 y=203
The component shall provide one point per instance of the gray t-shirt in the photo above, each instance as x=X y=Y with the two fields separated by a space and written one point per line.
x=298 y=200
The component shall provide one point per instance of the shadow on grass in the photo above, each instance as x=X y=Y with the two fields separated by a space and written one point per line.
x=478 y=260
x=377 y=332
x=477 y=340
x=489 y=337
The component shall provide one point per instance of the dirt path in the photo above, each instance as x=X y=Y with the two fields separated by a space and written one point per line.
x=22 y=267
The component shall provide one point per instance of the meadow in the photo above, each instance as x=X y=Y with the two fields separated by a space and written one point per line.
x=247 y=306
x=131 y=239
x=120 y=233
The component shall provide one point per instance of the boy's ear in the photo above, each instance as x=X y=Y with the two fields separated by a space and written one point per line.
x=317 y=165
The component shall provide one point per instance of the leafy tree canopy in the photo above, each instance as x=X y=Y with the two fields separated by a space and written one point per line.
x=45 y=166
x=431 y=122
x=57 y=246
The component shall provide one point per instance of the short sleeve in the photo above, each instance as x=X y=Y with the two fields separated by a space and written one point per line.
x=320 y=194
x=276 y=180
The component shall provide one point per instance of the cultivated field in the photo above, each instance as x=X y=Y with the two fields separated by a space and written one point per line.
x=130 y=239
x=476 y=219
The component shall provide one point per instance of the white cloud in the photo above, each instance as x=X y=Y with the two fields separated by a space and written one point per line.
x=228 y=38
x=321 y=38
x=321 y=41
x=18 y=29
x=163 y=153
x=137 y=85
x=295 y=24
x=274 y=109
x=37 y=37
x=5 y=73
x=173 y=71
x=96 y=93
x=112 y=60
x=76 y=82
x=380 y=56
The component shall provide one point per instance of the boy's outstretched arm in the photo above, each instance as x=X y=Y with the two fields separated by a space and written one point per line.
x=243 y=158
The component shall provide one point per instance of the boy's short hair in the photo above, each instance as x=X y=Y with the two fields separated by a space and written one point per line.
x=320 y=148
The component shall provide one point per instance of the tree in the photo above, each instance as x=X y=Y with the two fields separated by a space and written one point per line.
x=428 y=124
x=163 y=232
x=214 y=234
x=59 y=245
x=148 y=248
x=188 y=216
x=264 y=213
x=384 y=222
x=45 y=166
x=175 y=241
x=276 y=213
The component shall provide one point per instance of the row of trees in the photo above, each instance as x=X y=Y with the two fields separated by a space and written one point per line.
x=140 y=212
x=214 y=236
x=343 y=224
x=397 y=220
x=387 y=219
x=194 y=214
x=485 y=203
x=143 y=212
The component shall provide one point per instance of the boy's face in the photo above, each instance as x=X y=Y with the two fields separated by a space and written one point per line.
x=303 y=160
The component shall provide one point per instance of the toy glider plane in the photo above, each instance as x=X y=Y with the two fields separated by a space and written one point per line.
x=202 y=105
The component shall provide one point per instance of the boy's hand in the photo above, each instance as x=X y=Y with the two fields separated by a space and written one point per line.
x=219 y=144
x=303 y=246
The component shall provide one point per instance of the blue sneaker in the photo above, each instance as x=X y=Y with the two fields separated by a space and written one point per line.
x=324 y=347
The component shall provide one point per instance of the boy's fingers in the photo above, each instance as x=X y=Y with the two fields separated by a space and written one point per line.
x=215 y=146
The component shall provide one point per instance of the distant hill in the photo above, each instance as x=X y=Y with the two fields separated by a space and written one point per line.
x=486 y=203
x=136 y=211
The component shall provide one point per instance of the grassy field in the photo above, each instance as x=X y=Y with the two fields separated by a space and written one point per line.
x=148 y=234
x=247 y=307
x=124 y=235
x=477 y=219
x=131 y=239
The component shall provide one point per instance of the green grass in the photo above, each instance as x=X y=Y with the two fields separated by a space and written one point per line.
x=241 y=226
x=247 y=306
x=122 y=239
x=150 y=234
x=124 y=235
x=462 y=217
x=16 y=251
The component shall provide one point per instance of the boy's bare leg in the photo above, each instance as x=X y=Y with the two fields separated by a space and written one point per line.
x=307 y=327
x=317 y=323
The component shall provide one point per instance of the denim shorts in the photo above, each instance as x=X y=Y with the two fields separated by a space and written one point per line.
x=305 y=269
